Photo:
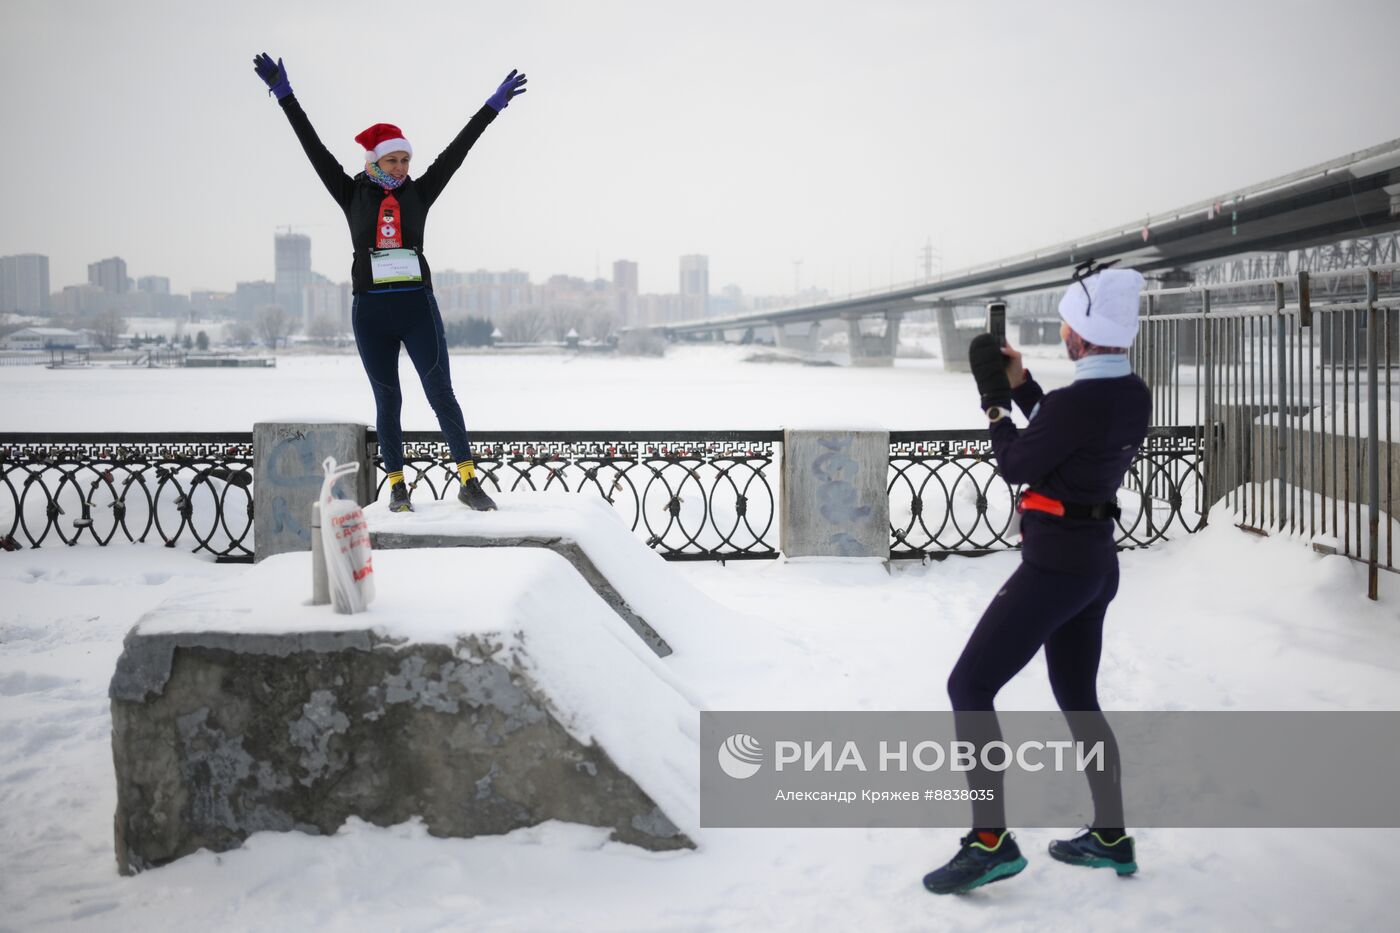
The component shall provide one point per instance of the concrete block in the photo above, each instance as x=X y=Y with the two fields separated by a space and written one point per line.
x=834 y=495
x=287 y=478
x=219 y=735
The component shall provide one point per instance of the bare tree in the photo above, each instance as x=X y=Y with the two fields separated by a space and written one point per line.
x=599 y=325
x=108 y=328
x=525 y=326
x=323 y=329
x=563 y=320
x=240 y=334
x=274 y=325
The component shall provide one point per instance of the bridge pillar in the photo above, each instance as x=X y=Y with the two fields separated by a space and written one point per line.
x=951 y=339
x=804 y=338
x=873 y=349
x=1032 y=331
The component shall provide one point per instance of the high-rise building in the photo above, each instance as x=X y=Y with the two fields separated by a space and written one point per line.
x=24 y=283
x=293 y=265
x=153 y=284
x=83 y=301
x=109 y=275
x=326 y=303
x=625 y=291
x=251 y=297
x=482 y=293
x=695 y=286
x=206 y=304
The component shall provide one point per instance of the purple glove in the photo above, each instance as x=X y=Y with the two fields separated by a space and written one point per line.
x=274 y=75
x=513 y=84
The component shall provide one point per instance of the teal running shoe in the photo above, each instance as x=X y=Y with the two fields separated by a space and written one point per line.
x=1089 y=850
x=977 y=863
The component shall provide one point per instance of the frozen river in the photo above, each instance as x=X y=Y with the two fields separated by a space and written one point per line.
x=691 y=388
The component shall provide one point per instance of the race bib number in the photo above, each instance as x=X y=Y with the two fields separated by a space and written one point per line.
x=394 y=265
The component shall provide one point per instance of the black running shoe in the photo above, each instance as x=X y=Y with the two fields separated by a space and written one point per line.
x=1089 y=850
x=474 y=497
x=398 y=498
x=977 y=864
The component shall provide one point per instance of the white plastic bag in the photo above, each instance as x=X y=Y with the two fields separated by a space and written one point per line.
x=345 y=544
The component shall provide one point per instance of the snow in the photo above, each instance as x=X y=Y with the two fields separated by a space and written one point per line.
x=691 y=388
x=1216 y=620
x=837 y=635
x=695 y=625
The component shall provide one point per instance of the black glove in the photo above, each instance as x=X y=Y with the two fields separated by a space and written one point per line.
x=989 y=369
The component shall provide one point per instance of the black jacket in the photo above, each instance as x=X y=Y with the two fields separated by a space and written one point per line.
x=360 y=197
x=1076 y=449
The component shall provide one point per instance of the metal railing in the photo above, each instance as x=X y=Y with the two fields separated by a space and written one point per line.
x=700 y=495
x=1301 y=396
x=192 y=489
x=696 y=495
x=946 y=496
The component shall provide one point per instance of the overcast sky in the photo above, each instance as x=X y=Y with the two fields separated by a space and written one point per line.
x=843 y=134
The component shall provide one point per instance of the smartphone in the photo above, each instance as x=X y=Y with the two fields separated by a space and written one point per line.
x=996 y=320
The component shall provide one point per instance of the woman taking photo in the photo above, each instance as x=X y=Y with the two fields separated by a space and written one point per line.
x=1072 y=456
x=390 y=279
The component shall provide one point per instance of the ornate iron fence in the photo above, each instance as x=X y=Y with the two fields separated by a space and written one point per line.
x=193 y=489
x=947 y=497
x=699 y=495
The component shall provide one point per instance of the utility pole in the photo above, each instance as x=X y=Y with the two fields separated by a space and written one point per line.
x=927 y=255
x=796 y=278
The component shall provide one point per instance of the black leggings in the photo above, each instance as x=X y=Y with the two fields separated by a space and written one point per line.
x=1064 y=613
x=382 y=321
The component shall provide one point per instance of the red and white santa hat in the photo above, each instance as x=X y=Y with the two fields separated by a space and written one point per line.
x=381 y=139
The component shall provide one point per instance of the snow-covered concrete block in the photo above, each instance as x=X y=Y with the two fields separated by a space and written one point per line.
x=479 y=696
x=576 y=527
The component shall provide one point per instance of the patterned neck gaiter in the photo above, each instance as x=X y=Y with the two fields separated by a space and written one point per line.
x=382 y=178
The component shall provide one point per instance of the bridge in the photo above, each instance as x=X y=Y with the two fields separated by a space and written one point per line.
x=1354 y=196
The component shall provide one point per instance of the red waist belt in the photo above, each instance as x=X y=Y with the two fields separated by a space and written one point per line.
x=1031 y=501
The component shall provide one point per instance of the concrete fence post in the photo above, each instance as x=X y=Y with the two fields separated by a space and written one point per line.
x=287 y=478
x=835 y=500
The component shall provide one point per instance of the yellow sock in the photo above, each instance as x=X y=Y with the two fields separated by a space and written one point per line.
x=466 y=469
x=395 y=478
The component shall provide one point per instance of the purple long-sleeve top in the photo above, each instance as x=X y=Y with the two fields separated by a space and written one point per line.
x=1079 y=443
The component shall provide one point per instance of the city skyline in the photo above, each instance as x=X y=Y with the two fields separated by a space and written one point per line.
x=315 y=302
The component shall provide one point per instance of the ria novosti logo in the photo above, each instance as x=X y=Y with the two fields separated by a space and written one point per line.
x=740 y=756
